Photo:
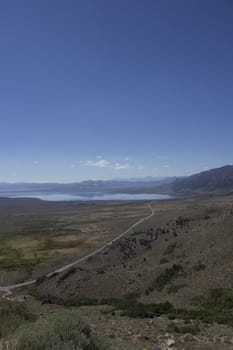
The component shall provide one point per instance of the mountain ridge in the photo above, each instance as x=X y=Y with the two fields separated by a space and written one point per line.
x=216 y=180
x=213 y=180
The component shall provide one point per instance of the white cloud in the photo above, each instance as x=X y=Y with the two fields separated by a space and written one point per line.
x=119 y=166
x=102 y=163
x=166 y=166
x=35 y=162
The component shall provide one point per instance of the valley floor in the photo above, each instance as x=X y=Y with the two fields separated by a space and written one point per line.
x=168 y=284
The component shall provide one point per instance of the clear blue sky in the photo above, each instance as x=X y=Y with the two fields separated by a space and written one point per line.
x=106 y=88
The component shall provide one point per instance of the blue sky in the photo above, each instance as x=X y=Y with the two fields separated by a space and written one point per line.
x=107 y=89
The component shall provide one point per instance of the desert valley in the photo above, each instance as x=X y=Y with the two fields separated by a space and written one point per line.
x=116 y=181
x=164 y=283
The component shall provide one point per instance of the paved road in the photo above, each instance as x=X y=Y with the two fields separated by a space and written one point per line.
x=8 y=289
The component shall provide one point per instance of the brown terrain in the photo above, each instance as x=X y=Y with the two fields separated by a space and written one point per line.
x=167 y=284
x=37 y=236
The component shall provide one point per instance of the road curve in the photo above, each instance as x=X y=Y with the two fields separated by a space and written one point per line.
x=8 y=289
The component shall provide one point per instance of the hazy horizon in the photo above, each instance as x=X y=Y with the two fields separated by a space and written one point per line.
x=97 y=179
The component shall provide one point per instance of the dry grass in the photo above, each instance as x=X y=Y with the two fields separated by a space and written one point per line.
x=34 y=238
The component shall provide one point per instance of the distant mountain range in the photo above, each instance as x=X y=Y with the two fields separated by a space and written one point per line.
x=219 y=180
x=214 y=180
x=99 y=186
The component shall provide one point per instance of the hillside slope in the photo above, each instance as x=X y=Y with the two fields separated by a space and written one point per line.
x=189 y=240
x=214 y=180
x=168 y=282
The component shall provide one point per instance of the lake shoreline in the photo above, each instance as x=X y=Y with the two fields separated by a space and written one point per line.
x=57 y=197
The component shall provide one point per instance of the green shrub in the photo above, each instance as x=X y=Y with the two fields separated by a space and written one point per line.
x=11 y=317
x=61 y=331
x=219 y=299
x=170 y=248
x=199 y=266
x=35 y=292
x=146 y=310
x=217 y=306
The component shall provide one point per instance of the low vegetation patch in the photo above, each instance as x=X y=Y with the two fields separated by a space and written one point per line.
x=190 y=329
x=11 y=258
x=171 y=248
x=216 y=307
x=11 y=317
x=35 y=292
x=131 y=308
x=176 y=288
x=218 y=299
x=199 y=266
x=166 y=277
x=61 y=331
x=38 y=226
x=163 y=261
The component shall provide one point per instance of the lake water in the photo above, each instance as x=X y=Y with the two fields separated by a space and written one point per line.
x=85 y=196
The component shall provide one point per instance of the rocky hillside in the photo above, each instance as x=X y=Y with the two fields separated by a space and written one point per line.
x=181 y=253
x=214 y=180
x=168 y=284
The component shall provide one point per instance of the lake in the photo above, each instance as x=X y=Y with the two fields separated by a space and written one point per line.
x=85 y=196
